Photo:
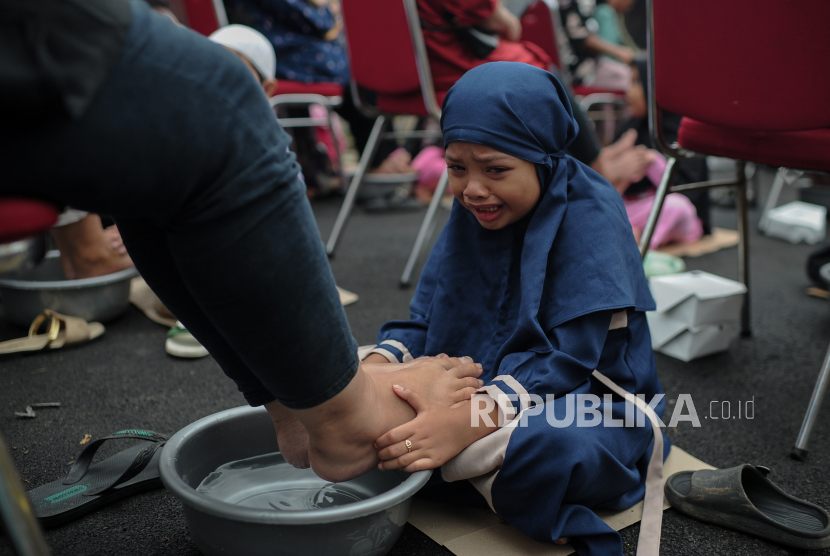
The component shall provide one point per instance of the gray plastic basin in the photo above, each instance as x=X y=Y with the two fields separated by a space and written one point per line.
x=100 y=299
x=364 y=528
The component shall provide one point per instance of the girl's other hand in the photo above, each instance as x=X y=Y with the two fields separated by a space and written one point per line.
x=434 y=436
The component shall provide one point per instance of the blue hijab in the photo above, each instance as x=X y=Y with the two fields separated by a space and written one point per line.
x=491 y=293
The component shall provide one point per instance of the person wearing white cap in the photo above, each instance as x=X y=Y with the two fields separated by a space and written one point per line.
x=254 y=50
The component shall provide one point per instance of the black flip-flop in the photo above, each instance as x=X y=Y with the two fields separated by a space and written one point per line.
x=88 y=486
x=742 y=498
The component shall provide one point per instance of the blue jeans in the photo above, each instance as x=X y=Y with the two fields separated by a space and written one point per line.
x=181 y=147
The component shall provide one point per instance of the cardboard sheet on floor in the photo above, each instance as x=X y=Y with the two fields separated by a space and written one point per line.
x=720 y=239
x=478 y=532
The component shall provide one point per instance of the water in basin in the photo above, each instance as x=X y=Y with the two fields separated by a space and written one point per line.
x=268 y=482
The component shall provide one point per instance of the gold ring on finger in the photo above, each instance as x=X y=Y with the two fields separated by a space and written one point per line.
x=408 y=445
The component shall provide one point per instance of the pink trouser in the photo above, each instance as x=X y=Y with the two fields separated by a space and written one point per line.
x=678 y=222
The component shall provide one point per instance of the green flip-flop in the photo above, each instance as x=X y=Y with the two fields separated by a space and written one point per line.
x=89 y=485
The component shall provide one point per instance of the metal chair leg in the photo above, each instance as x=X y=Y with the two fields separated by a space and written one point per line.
x=742 y=210
x=22 y=526
x=340 y=170
x=772 y=198
x=784 y=176
x=357 y=181
x=657 y=207
x=800 y=449
x=426 y=229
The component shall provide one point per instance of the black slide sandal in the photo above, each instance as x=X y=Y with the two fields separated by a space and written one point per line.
x=89 y=485
x=742 y=498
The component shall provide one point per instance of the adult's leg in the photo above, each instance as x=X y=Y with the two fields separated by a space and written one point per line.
x=182 y=137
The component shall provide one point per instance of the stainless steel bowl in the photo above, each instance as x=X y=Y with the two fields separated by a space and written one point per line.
x=380 y=185
x=26 y=294
x=368 y=527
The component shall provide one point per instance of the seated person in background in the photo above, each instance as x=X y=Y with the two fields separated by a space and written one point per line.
x=682 y=220
x=450 y=56
x=305 y=35
x=596 y=62
x=254 y=50
x=307 y=40
x=87 y=248
x=537 y=277
x=610 y=18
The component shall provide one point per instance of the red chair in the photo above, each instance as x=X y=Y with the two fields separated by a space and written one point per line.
x=389 y=59
x=744 y=75
x=204 y=16
x=21 y=222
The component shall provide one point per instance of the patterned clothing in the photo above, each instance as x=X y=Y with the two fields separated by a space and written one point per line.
x=298 y=31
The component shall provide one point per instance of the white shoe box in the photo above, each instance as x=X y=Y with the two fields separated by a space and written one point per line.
x=796 y=222
x=692 y=309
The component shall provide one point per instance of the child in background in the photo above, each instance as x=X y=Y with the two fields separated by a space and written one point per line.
x=537 y=277
x=679 y=221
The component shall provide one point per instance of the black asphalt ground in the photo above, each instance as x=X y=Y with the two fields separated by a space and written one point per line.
x=125 y=380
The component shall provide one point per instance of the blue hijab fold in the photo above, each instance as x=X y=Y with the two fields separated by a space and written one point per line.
x=574 y=254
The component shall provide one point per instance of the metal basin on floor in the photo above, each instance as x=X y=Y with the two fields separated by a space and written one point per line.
x=368 y=527
x=26 y=294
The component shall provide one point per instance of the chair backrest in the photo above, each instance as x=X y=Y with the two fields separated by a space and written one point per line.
x=747 y=64
x=204 y=16
x=386 y=48
x=539 y=26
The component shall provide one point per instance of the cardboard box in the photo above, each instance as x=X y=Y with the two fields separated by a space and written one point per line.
x=693 y=343
x=696 y=298
x=797 y=222
x=692 y=309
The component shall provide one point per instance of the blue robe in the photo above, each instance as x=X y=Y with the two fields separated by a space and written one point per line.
x=533 y=303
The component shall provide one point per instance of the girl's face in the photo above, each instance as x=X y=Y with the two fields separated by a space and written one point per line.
x=497 y=188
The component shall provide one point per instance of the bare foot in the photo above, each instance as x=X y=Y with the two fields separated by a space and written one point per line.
x=292 y=437
x=342 y=430
x=87 y=250
x=399 y=162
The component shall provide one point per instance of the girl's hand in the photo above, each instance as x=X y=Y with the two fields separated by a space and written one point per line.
x=435 y=435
